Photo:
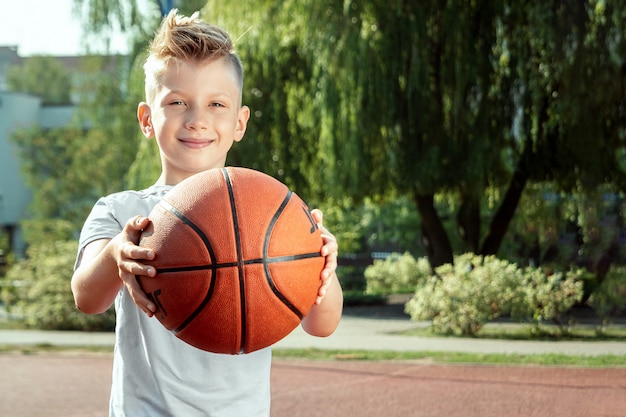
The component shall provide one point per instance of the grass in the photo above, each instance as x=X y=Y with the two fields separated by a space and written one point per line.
x=597 y=361
x=425 y=357
x=46 y=348
x=543 y=332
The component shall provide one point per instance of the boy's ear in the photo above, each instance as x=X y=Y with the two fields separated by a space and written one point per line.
x=242 y=122
x=145 y=119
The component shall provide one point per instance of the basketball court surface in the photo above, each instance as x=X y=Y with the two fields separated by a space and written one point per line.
x=73 y=385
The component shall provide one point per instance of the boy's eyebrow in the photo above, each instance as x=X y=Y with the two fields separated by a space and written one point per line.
x=211 y=94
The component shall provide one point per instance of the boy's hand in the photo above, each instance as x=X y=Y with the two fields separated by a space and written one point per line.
x=127 y=254
x=329 y=251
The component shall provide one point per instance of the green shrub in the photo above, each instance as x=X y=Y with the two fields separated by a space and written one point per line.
x=463 y=297
x=548 y=296
x=609 y=298
x=396 y=274
x=41 y=290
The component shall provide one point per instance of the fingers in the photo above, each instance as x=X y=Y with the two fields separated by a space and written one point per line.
x=129 y=270
x=329 y=251
x=327 y=278
x=317 y=215
x=330 y=246
x=134 y=227
x=137 y=294
x=129 y=267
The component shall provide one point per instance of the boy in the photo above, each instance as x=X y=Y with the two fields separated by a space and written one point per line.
x=193 y=109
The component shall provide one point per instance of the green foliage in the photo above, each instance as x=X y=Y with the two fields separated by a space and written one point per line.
x=461 y=298
x=391 y=225
x=609 y=298
x=366 y=227
x=67 y=170
x=547 y=296
x=398 y=273
x=344 y=218
x=38 y=289
x=43 y=231
x=370 y=226
x=5 y=247
x=42 y=76
x=108 y=105
x=146 y=166
x=555 y=229
x=55 y=171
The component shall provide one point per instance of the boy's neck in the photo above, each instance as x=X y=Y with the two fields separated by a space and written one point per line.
x=161 y=181
x=165 y=179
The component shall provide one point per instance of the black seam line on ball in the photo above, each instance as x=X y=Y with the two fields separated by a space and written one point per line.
x=277 y=259
x=189 y=268
x=266 y=244
x=207 y=244
x=240 y=263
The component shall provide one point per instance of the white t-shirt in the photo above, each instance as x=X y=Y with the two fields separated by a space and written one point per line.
x=154 y=372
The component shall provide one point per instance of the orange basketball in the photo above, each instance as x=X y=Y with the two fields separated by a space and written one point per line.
x=237 y=257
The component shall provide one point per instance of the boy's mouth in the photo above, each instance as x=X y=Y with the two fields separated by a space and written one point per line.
x=196 y=143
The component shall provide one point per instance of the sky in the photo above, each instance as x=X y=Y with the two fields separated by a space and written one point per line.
x=45 y=27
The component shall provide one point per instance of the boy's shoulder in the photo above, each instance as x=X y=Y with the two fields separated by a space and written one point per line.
x=123 y=205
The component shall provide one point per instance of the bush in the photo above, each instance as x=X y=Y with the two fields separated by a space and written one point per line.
x=548 y=296
x=462 y=298
x=396 y=274
x=44 y=297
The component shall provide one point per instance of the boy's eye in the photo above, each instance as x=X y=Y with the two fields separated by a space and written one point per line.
x=177 y=103
x=216 y=105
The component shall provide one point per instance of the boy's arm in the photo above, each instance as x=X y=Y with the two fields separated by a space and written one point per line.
x=106 y=264
x=324 y=316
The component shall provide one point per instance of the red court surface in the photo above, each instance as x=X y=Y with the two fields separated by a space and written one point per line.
x=78 y=385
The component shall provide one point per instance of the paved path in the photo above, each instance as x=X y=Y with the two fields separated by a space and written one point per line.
x=382 y=334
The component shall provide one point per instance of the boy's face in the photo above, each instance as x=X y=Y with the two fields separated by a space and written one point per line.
x=196 y=116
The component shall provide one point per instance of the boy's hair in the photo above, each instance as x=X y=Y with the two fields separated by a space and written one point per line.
x=187 y=38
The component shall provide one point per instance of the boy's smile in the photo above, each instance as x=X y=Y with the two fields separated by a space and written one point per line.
x=196 y=117
x=196 y=143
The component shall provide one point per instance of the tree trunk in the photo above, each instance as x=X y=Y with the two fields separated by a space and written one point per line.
x=434 y=237
x=468 y=222
x=500 y=222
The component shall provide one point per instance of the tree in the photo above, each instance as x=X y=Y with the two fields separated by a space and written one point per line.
x=42 y=76
x=558 y=53
x=435 y=98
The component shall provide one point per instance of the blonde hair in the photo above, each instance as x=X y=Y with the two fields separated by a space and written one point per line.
x=187 y=38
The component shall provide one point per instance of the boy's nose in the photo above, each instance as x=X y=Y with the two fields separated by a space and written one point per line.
x=197 y=120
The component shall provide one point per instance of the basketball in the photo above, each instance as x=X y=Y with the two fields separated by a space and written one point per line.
x=238 y=260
